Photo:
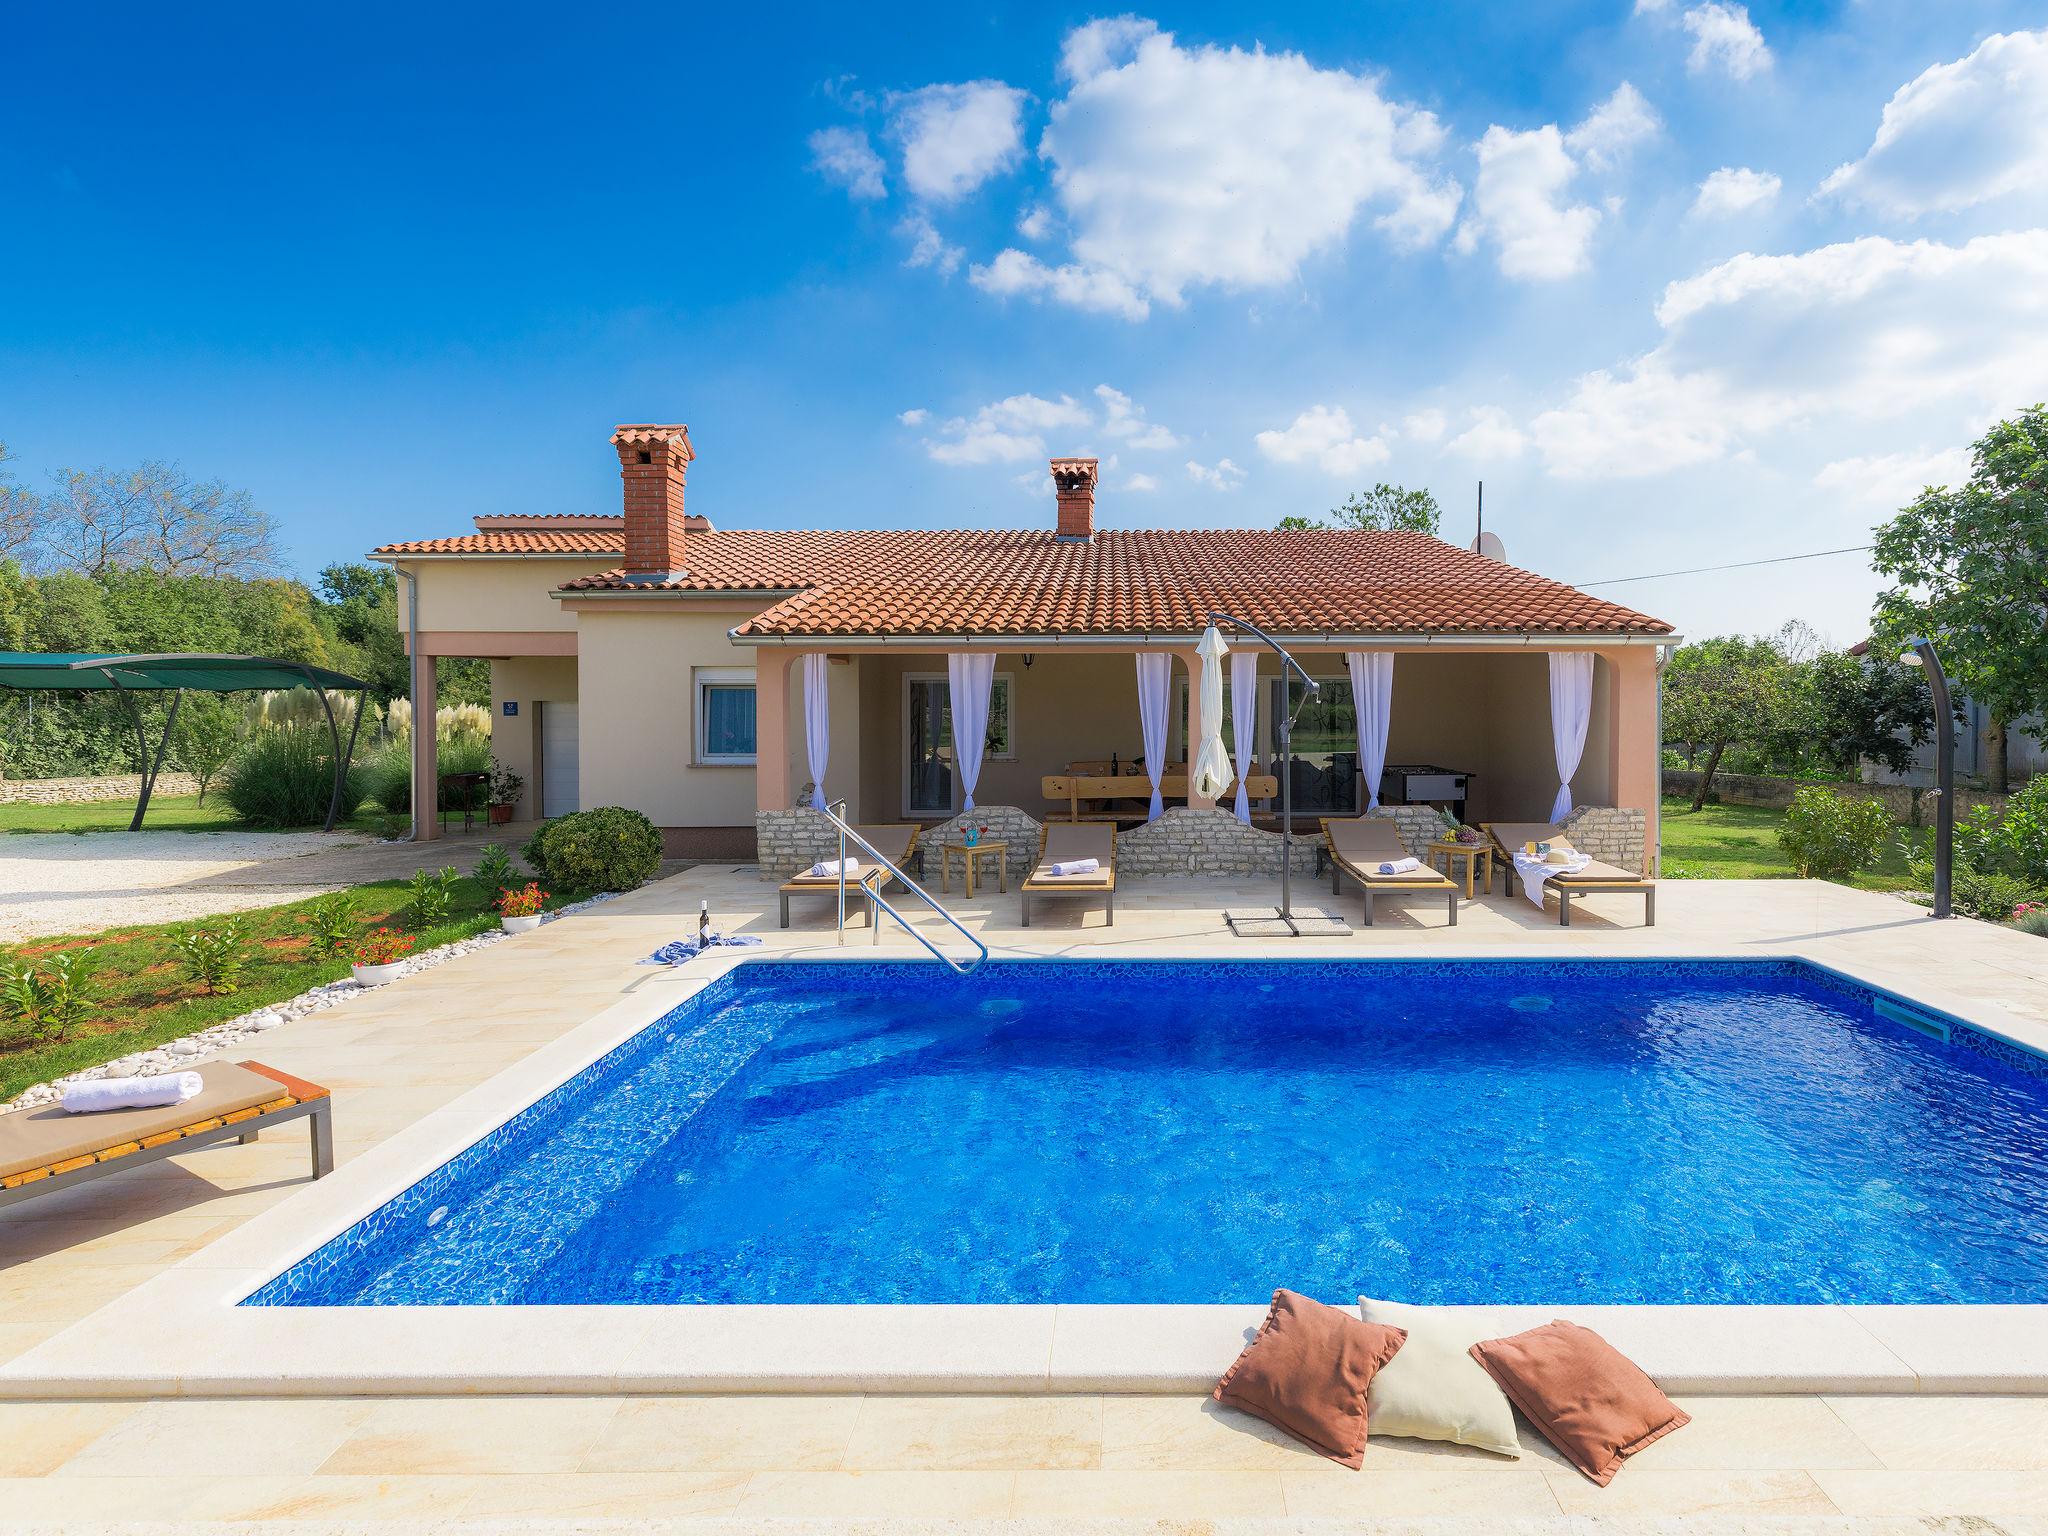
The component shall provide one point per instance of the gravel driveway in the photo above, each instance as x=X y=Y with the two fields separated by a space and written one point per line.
x=61 y=883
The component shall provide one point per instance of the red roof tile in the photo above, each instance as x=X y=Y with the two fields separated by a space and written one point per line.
x=600 y=542
x=950 y=582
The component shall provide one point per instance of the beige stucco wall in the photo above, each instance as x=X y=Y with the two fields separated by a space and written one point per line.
x=527 y=681
x=495 y=596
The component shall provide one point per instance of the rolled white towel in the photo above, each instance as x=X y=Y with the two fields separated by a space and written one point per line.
x=1400 y=866
x=1076 y=867
x=827 y=869
x=131 y=1092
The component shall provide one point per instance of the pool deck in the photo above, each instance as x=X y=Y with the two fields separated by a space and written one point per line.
x=136 y=1412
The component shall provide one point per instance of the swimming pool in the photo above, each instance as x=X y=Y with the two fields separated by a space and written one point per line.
x=1173 y=1132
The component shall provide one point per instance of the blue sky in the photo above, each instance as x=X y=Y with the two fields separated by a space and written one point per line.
x=1682 y=281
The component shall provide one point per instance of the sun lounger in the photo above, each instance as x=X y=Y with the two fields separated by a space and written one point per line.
x=1360 y=844
x=47 y=1149
x=1064 y=842
x=1510 y=837
x=897 y=839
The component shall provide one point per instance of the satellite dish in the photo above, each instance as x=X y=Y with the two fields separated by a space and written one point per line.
x=1489 y=547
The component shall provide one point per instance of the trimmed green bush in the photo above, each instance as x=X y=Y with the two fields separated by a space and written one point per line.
x=606 y=849
x=2012 y=841
x=284 y=778
x=1831 y=836
x=1986 y=893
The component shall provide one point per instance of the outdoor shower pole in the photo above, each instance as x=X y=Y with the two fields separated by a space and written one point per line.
x=1217 y=616
x=1922 y=654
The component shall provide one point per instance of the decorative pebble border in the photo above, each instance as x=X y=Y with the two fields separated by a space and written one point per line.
x=190 y=1050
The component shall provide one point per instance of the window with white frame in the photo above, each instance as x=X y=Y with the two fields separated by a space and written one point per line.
x=725 y=715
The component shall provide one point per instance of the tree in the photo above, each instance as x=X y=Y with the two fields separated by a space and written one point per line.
x=1875 y=707
x=1723 y=692
x=1383 y=509
x=18 y=509
x=155 y=518
x=1970 y=571
x=208 y=735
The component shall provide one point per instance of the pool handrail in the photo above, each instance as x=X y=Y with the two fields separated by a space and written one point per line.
x=834 y=814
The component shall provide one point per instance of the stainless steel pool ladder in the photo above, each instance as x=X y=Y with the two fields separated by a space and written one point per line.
x=834 y=813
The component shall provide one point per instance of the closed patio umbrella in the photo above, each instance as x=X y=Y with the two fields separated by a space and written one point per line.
x=1213 y=772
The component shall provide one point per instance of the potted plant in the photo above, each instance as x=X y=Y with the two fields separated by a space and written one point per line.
x=506 y=788
x=379 y=955
x=520 y=910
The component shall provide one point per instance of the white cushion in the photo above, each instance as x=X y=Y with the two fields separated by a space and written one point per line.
x=1432 y=1389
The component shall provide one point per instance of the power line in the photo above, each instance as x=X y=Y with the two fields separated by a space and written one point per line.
x=1740 y=565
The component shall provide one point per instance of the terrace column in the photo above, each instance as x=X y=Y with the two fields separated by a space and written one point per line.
x=771 y=726
x=1633 y=749
x=426 y=752
x=1192 y=660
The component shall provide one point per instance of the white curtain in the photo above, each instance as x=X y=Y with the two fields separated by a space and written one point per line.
x=817 y=722
x=1155 y=674
x=1372 y=695
x=1244 y=720
x=970 y=679
x=1571 y=707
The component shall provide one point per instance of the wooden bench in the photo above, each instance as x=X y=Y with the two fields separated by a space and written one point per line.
x=48 y=1149
x=1077 y=787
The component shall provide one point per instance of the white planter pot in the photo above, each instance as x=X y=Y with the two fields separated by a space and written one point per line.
x=520 y=924
x=377 y=975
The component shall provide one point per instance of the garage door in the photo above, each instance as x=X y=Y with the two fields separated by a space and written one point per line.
x=559 y=792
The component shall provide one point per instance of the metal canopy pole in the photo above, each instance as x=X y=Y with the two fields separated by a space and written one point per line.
x=1288 y=715
x=341 y=758
x=148 y=767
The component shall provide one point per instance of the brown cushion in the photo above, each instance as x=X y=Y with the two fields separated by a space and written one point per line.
x=1307 y=1373
x=1589 y=1399
x=35 y=1138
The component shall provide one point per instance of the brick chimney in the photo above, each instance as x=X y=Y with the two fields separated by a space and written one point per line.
x=1074 y=480
x=652 y=460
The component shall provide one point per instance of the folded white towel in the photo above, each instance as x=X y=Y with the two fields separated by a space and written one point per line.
x=1076 y=867
x=131 y=1092
x=1399 y=866
x=826 y=869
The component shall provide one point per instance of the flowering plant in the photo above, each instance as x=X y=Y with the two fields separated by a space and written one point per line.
x=524 y=902
x=383 y=946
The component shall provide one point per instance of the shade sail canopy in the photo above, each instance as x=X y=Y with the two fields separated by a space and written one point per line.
x=202 y=673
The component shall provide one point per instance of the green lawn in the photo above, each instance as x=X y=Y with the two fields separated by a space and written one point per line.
x=144 y=999
x=1740 y=842
x=167 y=813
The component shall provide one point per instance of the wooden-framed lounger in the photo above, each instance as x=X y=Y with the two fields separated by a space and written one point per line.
x=1360 y=844
x=1595 y=878
x=48 y=1149
x=897 y=839
x=1063 y=842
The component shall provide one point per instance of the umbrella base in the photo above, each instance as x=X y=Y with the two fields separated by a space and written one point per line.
x=1267 y=923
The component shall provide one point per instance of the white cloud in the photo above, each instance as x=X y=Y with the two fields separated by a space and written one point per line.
x=1613 y=128
x=1723 y=36
x=1521 y=204
x=1019 y=273
x=1959 y=134
x=1179 y=167
x=1425 y=426
x=914 y=418
x=1492 y=434
x=929 y=248
x=1864 y=339
x=1223 y=476
x=1883 y=483
x=844 y=157
x=1124 y=420
x=1004 y=432
x=1652 y=7
x=1141 y=482
x=954 y=137
x=1734 y=189
x=1323 y=435
x=1035 y=223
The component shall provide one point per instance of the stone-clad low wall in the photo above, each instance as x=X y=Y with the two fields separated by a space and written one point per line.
x=115 y=786
x=1610 y=833
x=1186 y=841
x=1908 y=805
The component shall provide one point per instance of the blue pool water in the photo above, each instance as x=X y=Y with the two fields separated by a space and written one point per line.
x=1152 y=1132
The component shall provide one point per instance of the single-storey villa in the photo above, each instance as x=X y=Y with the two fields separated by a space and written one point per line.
x=714 y=677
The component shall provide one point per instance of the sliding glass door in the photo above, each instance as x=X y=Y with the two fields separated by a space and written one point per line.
x=1325 y=745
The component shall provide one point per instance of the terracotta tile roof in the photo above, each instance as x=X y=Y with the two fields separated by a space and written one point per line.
x=529 y=540
x=949 y=582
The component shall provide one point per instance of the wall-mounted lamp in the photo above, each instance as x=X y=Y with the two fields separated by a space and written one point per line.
x=1028 y=659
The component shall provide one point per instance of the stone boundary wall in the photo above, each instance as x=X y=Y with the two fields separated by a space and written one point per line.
x=1908 y=805
x=1186 y=841
x=1611 y=834
x=1005 y=823
x=116 y=786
